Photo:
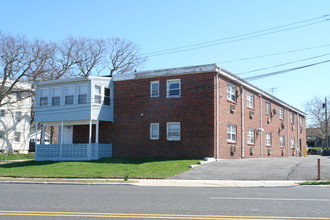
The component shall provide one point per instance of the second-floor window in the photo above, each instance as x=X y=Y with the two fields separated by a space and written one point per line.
x=56 y=96
x=82 y=94
x=2 y=113
x=154 y=89
x=267 y=108
x=231 y=92
x=69 y=95
x=106 y=96
x=173 y=88
x=43 y=97
x=17 y=136
x=97 y=94
x=18 y=116
x=250 y=100
x=281 y=113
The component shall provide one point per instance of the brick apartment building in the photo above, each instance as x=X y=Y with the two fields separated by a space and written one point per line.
x=201 y=111
x=189 y=112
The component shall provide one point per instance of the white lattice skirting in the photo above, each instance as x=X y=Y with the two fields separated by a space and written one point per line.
x=70 y=152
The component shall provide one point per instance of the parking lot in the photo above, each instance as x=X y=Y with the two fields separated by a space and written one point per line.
x=292 y=168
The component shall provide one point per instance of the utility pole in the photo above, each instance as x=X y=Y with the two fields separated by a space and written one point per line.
x=325 y=104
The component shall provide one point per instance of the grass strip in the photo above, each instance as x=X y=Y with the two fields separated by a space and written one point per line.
x=325 y=182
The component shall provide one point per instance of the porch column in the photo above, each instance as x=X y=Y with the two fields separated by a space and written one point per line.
x=62 y=138
x=36 y=138
x=89 y=150
x=97 y=132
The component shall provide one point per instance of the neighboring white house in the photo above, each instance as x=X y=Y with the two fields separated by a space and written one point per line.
x=15 y=119
x=70 y=103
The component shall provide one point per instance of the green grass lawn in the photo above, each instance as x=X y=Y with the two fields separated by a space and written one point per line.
x=103 y=168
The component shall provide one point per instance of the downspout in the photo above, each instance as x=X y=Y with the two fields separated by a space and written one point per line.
x=242 y=118
x=288 y=131
x=260 y=132
x=217 y=116
x=298 y=144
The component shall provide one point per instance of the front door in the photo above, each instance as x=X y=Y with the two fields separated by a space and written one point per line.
x=67 y=134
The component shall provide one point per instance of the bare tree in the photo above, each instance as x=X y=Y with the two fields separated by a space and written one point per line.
x=122 y=56
x=316 y=115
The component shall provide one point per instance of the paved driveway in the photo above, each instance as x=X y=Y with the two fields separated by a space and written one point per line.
x=293 y=168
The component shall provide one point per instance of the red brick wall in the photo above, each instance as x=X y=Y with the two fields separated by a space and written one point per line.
x=270 y=123
x=194 y=110
x=81 y=133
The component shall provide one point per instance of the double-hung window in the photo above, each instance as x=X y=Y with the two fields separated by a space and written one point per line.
x=17 y=136
x=2 y=113
x=69 y=95
x=292 y=118
x=18 y=116
x=250 y=136
x=173 y=88
x=250 y=100
x=268 y=139
x=97 y=94
x=231 y=133
x=282 y=142
x=56 y=96
x=82 y=94
x=267 y=107
x=106 y=96
x=154 y=89
x=2 y=134
x=154 y=131
x=292 y=142
x=43 y=97
x=281 y=113
x=173 y=131
x=231 y=92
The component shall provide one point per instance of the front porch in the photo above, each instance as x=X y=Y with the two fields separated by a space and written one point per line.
x=75 y=141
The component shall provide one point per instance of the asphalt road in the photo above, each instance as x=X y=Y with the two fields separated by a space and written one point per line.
x=292 y=168
x=40 y=201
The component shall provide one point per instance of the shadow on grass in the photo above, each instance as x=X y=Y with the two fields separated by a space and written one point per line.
x=136 y=161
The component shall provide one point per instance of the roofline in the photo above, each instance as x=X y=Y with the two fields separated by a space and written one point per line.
x=202 y=69
x=70 y=80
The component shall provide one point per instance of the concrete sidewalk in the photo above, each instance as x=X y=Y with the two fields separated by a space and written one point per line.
x=150 y=182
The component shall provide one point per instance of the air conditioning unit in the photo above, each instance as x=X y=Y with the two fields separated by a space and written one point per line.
x=282 y=125
x=251 y=150
x=251 y=113
x=269 y=151
x=232 y=149
x=282 y=152
x=293 y=127
x=268 y=120
x=232 y=108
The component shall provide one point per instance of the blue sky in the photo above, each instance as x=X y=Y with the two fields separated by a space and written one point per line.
x=156 y=25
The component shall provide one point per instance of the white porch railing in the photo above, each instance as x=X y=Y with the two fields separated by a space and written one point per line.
x=70 y=152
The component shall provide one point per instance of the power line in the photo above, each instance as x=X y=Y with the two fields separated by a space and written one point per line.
x=240 y=37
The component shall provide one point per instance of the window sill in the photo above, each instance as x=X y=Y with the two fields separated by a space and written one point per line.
x=231 y=142
x=231 y=101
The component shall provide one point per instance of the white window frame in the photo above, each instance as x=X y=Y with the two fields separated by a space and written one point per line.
x=231 y=133
x=267 y=107
x=268 y=137
x=43 y=100
x=169 y=130
x=154 y=134
x=300 y=120
x=282 y=113
x=67 y=95
x=82 y=93
x=250 y=100
x=231 y=92
x=168 y=88
x=154 y=92
x=97 y=96
x=292 y=142
x=18 y=116
x=17 y=136
x=55 y=96
x=250 y=136
x=292 y=118
x=282 y=141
